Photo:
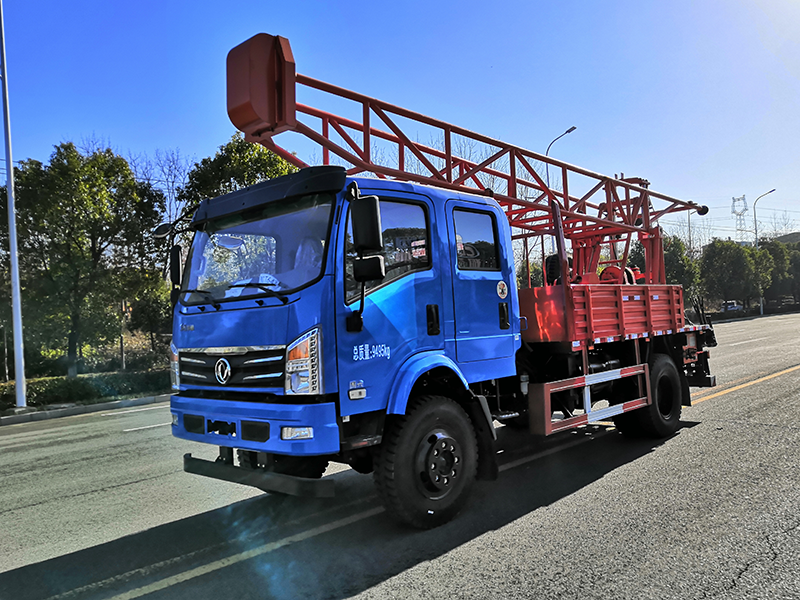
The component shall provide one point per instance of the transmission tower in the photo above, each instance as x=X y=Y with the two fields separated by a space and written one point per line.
x=739 y=208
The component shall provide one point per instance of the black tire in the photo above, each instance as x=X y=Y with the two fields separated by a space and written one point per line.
x=426 y=465
x=626 y=423
x=661 y=418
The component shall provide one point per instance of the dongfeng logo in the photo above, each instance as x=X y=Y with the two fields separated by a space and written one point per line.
x=222 y=371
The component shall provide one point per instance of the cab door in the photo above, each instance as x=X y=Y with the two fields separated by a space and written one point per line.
x=401 y=311
x=482 y=276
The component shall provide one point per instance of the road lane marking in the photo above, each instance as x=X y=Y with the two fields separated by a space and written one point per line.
x=706 y=391
x=146 y=427
x=543 y=453
x=293 y=539
x=265 y=549
x=117 y=580
x=744 y=385
x=242 y=556
x=748 y=341
x=133 y=410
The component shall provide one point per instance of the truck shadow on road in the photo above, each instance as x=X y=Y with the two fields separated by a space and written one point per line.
x=285 y=547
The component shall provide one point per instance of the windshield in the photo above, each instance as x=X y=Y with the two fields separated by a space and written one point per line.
x=275 y=248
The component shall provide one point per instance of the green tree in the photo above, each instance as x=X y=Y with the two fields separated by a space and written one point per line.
x=781 y=283
x=725 y=269
x=636 y=256
x=82 y=227
x=236 y=165
x=761 y=277
x=150 y=308
x=733 y=272
x=794 y=270
x=679 y=268
x=536 y=275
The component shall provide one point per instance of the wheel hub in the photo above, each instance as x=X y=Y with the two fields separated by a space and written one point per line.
x=442 y=461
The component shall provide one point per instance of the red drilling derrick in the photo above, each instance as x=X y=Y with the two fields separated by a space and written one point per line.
x=591 y=210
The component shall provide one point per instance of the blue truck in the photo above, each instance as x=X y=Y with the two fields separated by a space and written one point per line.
x=381 y=321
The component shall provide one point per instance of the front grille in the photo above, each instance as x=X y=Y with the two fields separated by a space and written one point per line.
x=220 y=393
x=252 y=369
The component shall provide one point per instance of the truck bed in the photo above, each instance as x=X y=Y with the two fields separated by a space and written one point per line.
x=600 y=313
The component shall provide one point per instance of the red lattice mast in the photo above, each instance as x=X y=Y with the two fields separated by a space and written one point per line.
x=591 y=210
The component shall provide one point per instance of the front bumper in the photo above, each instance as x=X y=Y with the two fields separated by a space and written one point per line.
x=263 y=480
x=229 y=423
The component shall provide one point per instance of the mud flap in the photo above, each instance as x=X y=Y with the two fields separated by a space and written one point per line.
x=478 y=411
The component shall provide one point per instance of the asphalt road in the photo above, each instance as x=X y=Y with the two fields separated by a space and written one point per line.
x=98 y=506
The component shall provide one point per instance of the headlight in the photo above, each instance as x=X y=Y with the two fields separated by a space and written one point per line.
x=303 y=372
x=174 y=368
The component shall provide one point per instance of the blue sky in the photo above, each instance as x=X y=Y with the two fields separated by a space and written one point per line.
x=700 y=97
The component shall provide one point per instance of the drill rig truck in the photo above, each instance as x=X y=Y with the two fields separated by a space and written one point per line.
x=369 y=311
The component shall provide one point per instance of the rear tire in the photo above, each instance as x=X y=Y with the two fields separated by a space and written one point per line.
x=427 y=463
x=661 y=418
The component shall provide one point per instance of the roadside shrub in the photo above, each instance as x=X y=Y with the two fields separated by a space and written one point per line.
x=57 y=390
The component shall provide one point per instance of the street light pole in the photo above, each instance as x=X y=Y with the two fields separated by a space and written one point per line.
x=16 y=310
x=547 y=170
x=755 y=223
x=546 y=165
x=755 y=218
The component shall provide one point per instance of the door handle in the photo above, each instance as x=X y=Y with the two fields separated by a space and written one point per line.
x=505 y=323
x=432 y=313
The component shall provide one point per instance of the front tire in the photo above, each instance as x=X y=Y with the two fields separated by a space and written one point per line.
x=426 y=465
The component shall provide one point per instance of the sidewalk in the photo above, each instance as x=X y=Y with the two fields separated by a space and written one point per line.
x=71 y=410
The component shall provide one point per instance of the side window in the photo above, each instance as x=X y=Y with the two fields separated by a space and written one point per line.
x=406 y=245
x=476 y=241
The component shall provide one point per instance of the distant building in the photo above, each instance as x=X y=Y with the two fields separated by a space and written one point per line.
x=789 y=238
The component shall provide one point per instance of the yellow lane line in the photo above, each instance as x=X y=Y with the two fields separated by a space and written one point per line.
x=708 y=391
x=744 y=385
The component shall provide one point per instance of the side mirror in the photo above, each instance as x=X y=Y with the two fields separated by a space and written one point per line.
x=162 y=231
x=369 y=268
x=365 y=212
x=175 y=265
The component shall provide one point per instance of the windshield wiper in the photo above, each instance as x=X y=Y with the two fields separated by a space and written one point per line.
x=207 y=295
x=262 y=286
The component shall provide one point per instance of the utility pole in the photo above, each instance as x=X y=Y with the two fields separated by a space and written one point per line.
x=689 y=220
x=755 y=223
x=5 y=350
x=16 y=307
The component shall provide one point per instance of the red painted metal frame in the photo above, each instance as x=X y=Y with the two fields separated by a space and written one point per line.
x=608 y=212
x=540 y=408
x=601 y=313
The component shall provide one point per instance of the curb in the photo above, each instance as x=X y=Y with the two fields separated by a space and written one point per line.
x=44 y=415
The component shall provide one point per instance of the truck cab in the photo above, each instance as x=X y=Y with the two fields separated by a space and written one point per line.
x=265 y=357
